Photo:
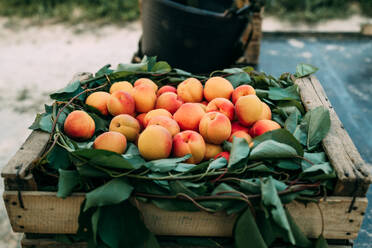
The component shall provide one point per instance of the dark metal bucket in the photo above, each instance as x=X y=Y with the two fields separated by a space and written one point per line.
x=194 y=39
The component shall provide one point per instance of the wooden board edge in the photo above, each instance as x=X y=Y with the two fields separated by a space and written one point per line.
x=352 y=173
x=340 y=223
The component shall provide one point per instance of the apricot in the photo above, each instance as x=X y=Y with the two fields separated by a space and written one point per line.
x=242 y=90
x=98 y=100
x=155 y=112
x=166 y=88
x=235 y=126
x=215 y=127
x=263 y=126
x=79 y=125
x=225 y=155
x=169 y=101
x=166 y=122
x=123 y=85
x=146 y=81
x=190 y=90
x=266 y=112
x=120 y=102
x=189 y=142
x=140 y=119
x=223 y=106
x=126 y=125
x=241 y=134
x=217 y=87
x=204 y=107
x=211 y=150
x=155 y=142
x=111 y=141
x=248 y=109
x=144 y=97
x=188 y=116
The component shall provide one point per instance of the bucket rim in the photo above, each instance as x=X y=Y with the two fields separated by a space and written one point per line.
x=192 y=10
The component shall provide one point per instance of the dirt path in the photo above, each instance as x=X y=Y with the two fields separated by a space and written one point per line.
x=38 y=60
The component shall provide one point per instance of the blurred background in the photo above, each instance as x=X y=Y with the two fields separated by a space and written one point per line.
x=43 y=43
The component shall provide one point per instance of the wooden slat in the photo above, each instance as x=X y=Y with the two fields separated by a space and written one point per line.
x=352 y=172
x=45 y=213
x=47 y=243
x=29 y=151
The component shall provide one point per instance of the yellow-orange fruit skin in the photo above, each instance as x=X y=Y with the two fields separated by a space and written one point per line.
x=166 y=88
x=166 y=122
x=241 y=134
x=79 y=125
x=148 y=82
x=188 y=116
x=111 y=141
x=190 y=90
x=248 y=109
x=217 y=87
x=123 y=86
x=126 y=125
x=120 y=102
x=155 y=112
x=211 y=150
x=266 y=112
x=215 y=127
x=140 y=119
x=169 y=101
x=144 y=97
x=155 y=142
x=263 y=126
x=223 y=106
x=98 y=100
x=189 y=142
x=242 y=90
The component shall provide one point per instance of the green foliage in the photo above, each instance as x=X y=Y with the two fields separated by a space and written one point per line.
x=106 y=11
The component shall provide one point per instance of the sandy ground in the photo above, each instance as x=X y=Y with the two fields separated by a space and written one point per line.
x=37 y=60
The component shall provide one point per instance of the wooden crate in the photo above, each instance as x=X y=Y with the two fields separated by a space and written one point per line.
x=32 y=211
x=47 y=243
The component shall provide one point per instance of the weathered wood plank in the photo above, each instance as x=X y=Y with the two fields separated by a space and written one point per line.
x=45 y=213
x=29 y=151
x=352 y=172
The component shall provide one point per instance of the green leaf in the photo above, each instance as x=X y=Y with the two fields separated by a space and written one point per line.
x=121 y=225
x=289 y=93
x=71 y=90
x=282 y=136
x=140 y=67
x=184 y=167
x=292 y=121
x=319 y=172
x=319 y=125
x=58 y=158
x=179 y=187
x=238 y=77
x=291 y=106
x=42 y=122
x=104 y=70
x=101 y=124
x=239 y=152
x=113 y=192
x=271 y=149
x=246 y=233
x=321 y=242
x=133 y=156
x=105 y=158
x=272 y=201
x=288 y=164
x=315 y=158
x=161 y=67
x=303 y=70
x=218 y=163
x=68 y=181
x=89 y=171
x=165 y=165
x=95 y=220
